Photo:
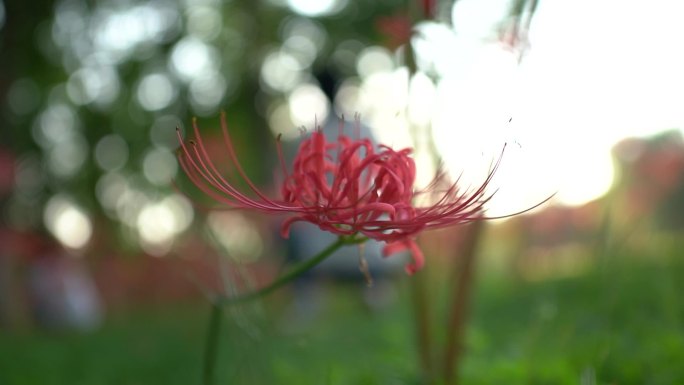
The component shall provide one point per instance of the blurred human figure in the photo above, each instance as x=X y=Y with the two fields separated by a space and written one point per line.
x=62 y=294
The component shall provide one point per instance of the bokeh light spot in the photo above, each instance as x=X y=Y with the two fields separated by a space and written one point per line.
x=163 y=131
x=207 y=91
x=94 y=85
x=56 y=124
x=308 y=103
x=156 y=92
x=109 y=190
x=111 y=152
x=373 y=60
x=280 y=71
x=316 y=7
x=191 y=58
x=159 y=222
x=237 y=235
x=67 y=157
x=280 y=122
x=67 y=222
x=204 y=22
x=160 y=166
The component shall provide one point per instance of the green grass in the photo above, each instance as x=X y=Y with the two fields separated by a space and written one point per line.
x=621 y=326
x=622 y=323
x=144 y=347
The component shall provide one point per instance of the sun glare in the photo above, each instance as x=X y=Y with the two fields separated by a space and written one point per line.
x=562 y=108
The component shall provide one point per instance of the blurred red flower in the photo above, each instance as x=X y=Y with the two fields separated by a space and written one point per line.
x=429 y=8
x=396 y=29
x=347 y=187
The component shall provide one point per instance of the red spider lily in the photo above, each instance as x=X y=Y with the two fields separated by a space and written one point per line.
x=347 y=187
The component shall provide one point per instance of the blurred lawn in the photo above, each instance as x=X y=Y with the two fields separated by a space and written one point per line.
x=620 y=323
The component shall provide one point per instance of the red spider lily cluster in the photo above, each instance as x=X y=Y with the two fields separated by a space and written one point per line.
x=347 y=187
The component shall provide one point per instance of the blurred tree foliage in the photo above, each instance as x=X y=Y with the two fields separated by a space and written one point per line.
x=92 y=91
x=76 y=72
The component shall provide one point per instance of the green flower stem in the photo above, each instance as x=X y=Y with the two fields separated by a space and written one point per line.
x=422 y=321
x=295 y=272
x=464 y=276
x=211 y=347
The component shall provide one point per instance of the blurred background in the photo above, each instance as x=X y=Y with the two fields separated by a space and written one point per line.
x=105 y=261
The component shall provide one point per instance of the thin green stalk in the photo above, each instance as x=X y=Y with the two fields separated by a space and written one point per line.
x=294 y=273
x=421 y=313
x=217 y=304
x=464 y=274
x=211 y=346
